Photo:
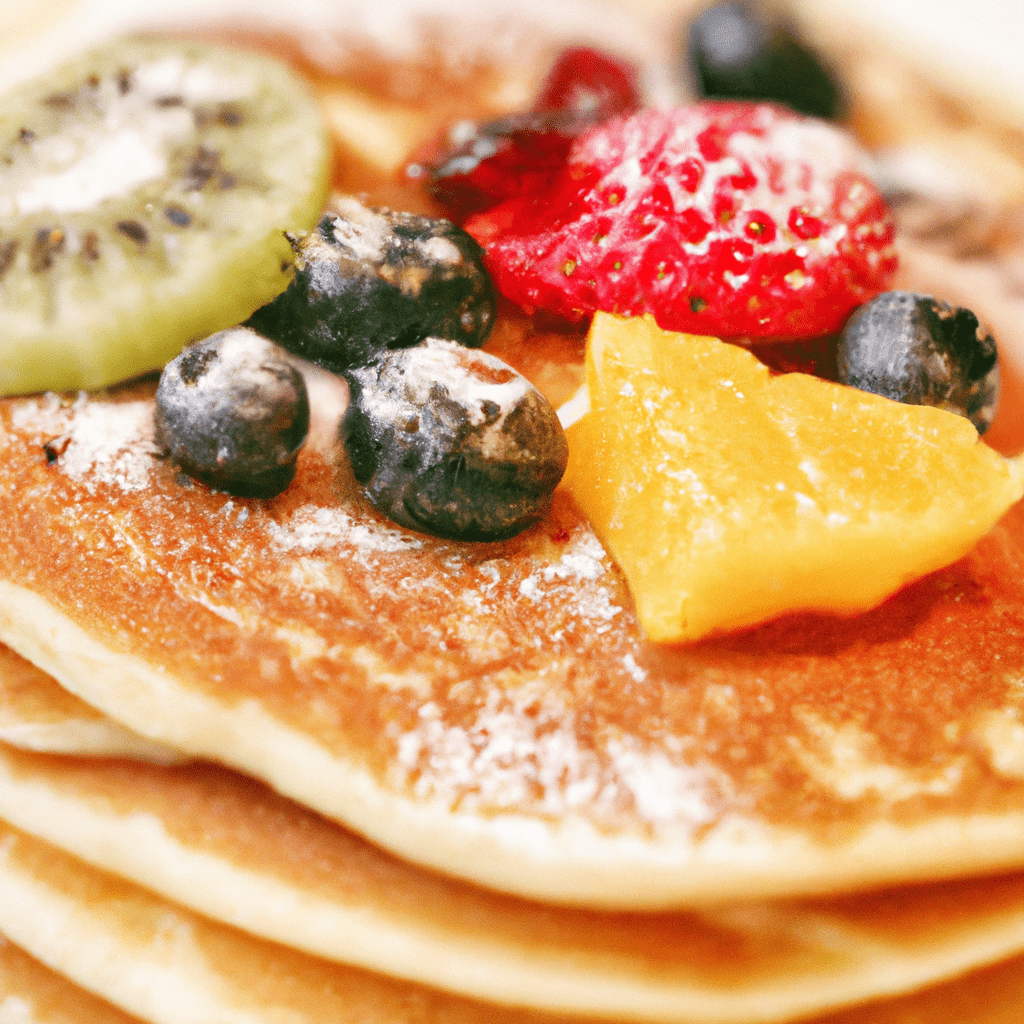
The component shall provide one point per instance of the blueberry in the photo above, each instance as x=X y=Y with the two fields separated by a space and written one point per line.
x=233 y=412
x=453 y=442
x=734 y=55
x=915 y=349
x=368 y=280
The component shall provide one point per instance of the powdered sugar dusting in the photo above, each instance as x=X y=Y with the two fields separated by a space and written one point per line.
x=570 y=580
x=314 y=528
x=662 y=788
x=94 y=443
x=522 y=735
x=529 y=748
x=482 y=764
x=584 y=561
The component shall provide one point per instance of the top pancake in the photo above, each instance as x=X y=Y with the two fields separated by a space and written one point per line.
x=491 y=709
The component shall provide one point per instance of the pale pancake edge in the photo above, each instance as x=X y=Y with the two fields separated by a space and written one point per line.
x=185 y=970
x=38 y=714
x=32 y=994
x=230 y=849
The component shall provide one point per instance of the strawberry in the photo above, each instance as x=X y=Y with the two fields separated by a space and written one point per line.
x=741 y=220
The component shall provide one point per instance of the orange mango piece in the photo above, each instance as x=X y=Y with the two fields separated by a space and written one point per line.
x=729 y=496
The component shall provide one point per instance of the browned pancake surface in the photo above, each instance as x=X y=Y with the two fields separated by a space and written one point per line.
x=511 y=677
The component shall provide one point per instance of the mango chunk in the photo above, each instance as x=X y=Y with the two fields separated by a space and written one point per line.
x=730 y=496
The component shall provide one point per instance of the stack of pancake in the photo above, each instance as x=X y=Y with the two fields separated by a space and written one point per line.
x=283 y=761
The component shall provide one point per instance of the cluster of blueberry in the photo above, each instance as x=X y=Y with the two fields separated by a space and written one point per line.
x=447 y=440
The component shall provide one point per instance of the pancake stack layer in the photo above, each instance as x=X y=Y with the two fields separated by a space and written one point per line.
x=282 y=761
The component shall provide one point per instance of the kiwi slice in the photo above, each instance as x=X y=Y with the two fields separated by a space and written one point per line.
x=144 y=192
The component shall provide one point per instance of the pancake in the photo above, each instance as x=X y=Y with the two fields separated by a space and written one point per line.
x=491 y=710
x=36 y=995
x=87 y=925
x=993 y=996
x=233 y=851
x=32 y=994
x=37 y=714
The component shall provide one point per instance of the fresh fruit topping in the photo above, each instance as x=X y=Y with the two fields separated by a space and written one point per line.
x=915 y=349
x=453 y=442
x=485 y=163
x=233 y=412
x=729 y=496
x=734 y=219
x=367 y=280
x=589 y=83
x=144 y=194
x=733 y=54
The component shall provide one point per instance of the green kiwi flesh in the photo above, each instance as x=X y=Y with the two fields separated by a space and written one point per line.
x=144 y=192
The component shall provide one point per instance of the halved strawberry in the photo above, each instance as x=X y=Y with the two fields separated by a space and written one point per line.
x=731 y=219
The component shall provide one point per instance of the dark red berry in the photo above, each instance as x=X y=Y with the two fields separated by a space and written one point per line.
x=519 y=154
x=492 y=161
x=589 y=83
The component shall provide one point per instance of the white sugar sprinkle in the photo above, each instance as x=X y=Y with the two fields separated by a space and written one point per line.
x=313 y=528
x=96 y=442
